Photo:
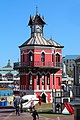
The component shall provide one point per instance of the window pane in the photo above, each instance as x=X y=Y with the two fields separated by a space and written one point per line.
x=48 y=79
x=30 y=79
x=43 y=57
x=42 y=79
x=30 y=57
x=37 y=79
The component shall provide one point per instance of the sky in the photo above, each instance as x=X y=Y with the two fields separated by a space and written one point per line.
x=62 y=19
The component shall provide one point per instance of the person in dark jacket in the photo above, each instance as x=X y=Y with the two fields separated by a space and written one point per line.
x=35 y=114
x=17 y=108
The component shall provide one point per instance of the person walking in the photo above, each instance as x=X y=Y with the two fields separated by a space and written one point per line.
x=35 y=115
x=17 y=108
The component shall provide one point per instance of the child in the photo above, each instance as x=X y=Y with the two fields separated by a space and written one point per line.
x=34 y=114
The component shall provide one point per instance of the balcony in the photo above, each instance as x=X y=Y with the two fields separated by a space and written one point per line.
x=18 y=65
x=76 y=91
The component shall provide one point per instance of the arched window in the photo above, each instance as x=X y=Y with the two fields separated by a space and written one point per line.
x=57 y=57
x=30 y=57
x=43 y=79
x=57 y=60
x=48 y=79
x=37 y=79
x=43 y=57
x=30 y=79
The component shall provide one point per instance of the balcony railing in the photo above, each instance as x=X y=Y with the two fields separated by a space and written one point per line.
x=76 y=91
x=37 y=64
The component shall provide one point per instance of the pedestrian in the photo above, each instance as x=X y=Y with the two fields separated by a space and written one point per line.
x=21 y=106
x=35 y=114
x=17 y=108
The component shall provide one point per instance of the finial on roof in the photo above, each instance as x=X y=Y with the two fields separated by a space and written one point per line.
x=36 y=10
x=8 y=63
x=51 y=37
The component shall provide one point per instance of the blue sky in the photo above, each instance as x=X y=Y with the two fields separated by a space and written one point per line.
x=62 y=18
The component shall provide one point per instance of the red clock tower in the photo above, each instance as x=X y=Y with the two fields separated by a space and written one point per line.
x=40 y=65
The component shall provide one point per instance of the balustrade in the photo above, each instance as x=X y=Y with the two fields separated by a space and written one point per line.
x=37 y=64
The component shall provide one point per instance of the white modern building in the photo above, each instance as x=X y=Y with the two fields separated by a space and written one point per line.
x=9 y=78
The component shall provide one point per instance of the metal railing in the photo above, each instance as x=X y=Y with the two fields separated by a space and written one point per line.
x=37 y=64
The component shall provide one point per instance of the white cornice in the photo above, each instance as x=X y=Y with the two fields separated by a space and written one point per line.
x=32 y=47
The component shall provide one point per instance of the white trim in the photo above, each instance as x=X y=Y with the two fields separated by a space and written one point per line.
x=6 y=82
x=42 y=90
x=22 y=53
x=58 y=74
x=43 y=73
x=66 y=98
x=43 y=51
x=48 y=73
x=44 y=93
x=58 y=53
x=30 y=72
x=32 y=47
x=37 y=53
x=30 y=51
x=38 y=73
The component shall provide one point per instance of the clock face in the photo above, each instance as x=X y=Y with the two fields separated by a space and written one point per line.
x=38 y=28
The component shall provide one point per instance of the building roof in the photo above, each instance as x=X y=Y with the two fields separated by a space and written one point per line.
x=8 y=69
x=54 y=43
x=71 y=56
x=40 y=41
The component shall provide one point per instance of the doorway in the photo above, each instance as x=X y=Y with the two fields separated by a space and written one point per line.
x=43 y=98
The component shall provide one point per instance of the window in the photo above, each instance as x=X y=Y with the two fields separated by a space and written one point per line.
x=79 y=74
x=48 y=79
x=23 y=57
x=38 y=80
x=79 y=78
x=58 y=80
x=43 y=57
x=53 y=79
x=43 y=78
x=32 y=28
x=30 y=57
x=57 y=58
x=52 y=57
x=30 y=79
x=67 y=61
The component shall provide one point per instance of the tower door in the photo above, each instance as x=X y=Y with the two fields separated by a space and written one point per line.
x=43 y=98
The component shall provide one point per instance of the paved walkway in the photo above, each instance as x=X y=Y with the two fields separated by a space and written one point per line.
x=27 y=116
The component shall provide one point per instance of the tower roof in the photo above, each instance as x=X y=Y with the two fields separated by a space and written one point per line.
x=37 y=19
x=37 y=37
x=40 y=41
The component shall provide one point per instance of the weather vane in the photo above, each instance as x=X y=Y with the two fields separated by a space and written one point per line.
x=36 y=10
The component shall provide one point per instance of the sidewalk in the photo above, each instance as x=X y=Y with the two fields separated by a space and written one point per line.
x=9 y=114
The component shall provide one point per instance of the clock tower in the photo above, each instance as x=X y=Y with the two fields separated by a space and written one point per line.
x=40 y=65
x=36 y=24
